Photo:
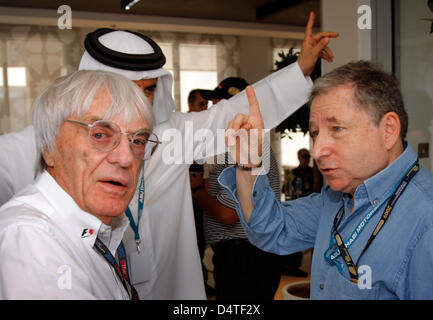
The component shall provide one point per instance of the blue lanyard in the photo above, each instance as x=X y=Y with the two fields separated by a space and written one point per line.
x=128 y=213
x=331 y=258
x=392 y=199
x=122 y=270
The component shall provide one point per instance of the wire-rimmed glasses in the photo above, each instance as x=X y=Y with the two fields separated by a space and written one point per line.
x=104 y=135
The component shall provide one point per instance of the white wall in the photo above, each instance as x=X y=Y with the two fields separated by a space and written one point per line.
x=255 y=55
x=354 y=43
x=341 y=16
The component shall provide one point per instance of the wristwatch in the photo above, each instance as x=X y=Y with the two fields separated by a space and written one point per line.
x=247 y=168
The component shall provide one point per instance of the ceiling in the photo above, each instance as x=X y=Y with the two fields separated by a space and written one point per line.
x=281 y=12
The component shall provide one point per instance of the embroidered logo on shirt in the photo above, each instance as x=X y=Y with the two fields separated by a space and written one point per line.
x=86 y=233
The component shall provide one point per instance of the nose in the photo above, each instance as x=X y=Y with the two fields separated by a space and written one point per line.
x=122 y=154
x=321 y=147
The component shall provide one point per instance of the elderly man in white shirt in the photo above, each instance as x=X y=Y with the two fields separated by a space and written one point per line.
x=59 y=236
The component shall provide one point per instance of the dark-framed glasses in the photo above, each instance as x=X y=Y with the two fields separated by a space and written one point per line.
x=104 y=135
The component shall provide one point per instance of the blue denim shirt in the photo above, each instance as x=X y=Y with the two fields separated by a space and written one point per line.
x=400 y=259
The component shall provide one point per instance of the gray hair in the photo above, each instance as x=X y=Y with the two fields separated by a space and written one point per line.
x=73 y=94
x=374 y=90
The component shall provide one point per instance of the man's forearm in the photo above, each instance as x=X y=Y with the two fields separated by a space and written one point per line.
x=280 y=94
x=244 y=187
x=213 y=208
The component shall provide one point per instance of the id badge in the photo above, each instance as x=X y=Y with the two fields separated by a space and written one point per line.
x=139 y=267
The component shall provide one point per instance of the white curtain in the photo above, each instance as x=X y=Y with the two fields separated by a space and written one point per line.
x=227 y=55
x=43 y=54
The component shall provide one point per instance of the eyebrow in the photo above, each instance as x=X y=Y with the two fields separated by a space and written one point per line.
x=331 y=119
x=93 y=119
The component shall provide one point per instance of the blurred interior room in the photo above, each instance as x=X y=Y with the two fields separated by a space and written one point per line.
x=205 y=41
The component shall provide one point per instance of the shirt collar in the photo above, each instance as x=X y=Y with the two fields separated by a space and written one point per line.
x=83 y=224
x=380 y=186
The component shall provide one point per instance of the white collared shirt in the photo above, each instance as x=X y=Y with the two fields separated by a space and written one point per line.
x=46 y=247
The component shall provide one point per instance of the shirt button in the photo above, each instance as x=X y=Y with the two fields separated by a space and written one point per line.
x=254 y=193
x=376 y=202
x=322 y=286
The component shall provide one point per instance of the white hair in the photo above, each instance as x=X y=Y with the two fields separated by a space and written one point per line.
x=73 y=95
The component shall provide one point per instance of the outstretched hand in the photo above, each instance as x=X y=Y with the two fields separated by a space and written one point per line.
x=314 y=47
x=244 y=135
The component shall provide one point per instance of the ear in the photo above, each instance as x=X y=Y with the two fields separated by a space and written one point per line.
x=48 y=158
x=391 y=127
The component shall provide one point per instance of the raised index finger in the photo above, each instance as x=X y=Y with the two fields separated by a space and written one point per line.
x=254 y=104
x=310 y=24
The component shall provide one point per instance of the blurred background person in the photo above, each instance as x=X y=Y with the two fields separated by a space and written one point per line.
x=305 y=180
x=196 y=102
x=302 y=175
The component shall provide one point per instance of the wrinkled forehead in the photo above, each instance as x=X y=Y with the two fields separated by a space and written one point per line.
x=333 y=105
x=104 y=107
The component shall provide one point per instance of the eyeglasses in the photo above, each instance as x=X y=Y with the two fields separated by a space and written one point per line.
x=104 y=135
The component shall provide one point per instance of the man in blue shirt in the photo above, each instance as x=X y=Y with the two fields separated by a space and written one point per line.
x=372 y=226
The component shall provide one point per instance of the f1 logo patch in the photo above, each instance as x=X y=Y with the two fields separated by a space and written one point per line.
x=86 y=233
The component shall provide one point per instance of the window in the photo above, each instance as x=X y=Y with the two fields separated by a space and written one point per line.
x=198 y=70
x=277 y=51
x=16 y=77
x=290 y=147
x=297 y=140
x=13 y=96
x=32 y=57
x=167 y=49
x=197 y=61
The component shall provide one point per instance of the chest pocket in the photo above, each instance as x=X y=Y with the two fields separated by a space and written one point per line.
x=337 y=287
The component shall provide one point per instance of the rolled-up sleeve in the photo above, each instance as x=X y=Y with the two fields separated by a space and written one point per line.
x=281 y=228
